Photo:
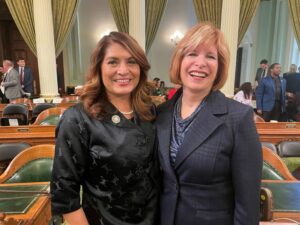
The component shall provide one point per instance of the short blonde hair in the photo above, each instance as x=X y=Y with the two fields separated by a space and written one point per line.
x=207 y=34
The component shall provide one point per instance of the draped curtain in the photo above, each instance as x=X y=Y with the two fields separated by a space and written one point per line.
x=22 y=13
x=120 y=11
x=63 y=17
x=64 y=13
x=247 y=11
x=294 y=8
x=209 y=10
x=154 y=12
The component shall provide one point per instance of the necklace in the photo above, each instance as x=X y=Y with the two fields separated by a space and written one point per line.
x=127 y=113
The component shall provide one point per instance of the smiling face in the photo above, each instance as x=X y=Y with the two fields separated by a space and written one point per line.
x=120 y=72
x=199 y=69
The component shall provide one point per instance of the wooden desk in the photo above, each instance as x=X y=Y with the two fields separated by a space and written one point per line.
x=277 y=132
x=35 y=209
x=32 y=134
x=286 y=198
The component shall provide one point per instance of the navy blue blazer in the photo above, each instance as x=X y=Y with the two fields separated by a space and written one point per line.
x=28 y=80
x=217 y=172
x=292 y=82
x=265 y=94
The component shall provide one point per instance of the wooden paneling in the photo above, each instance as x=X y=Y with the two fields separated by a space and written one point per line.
x=31 y=134
x=278 y=132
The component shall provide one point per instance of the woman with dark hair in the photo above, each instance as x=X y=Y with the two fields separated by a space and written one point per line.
x=106 y=143
x=244 y=94
x=209 y=149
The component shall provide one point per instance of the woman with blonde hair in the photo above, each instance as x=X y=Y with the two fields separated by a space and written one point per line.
x=106 y=143
x=212 y=164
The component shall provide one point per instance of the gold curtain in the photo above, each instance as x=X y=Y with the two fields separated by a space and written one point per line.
x=294 y=8
x=63 y=19
x=154 y=12
x=22 y=13
x=120 y=11
x=209 y=10
x=247 y=11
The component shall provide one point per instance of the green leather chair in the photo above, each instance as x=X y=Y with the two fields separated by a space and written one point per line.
x=289 y=151
x=273 y=167
x=32 y=165
x=51 y=120
x=50 y=116
x=270 y=173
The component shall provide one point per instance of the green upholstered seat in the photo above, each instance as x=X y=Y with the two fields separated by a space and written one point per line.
x=51 y=120
x=270 y=173
x=38 y=170
x=292 y=163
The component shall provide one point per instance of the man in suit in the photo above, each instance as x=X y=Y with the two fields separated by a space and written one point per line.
x=270 y=95
x=261 y=71
x=292 y=91
x=10 y=84
x=26 y=77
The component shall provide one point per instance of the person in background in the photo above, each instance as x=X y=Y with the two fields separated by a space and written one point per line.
x=156 y=82
x=270 y=95
x=292 y=92
x=213 y=162
x=10 y=85
x=173 y=90
x=106 y=144
x=25 y=76
x=162 y=89
x=244 y=94
x=261 y=72
x=156 y=91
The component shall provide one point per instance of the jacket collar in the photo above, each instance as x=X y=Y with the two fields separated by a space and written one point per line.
x=204 y=125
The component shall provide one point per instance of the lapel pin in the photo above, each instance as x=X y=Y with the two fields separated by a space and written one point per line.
x=115 y=119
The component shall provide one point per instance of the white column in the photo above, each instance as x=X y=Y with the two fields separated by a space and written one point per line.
x=230 y=28
x=137 y=21
x=43 y=23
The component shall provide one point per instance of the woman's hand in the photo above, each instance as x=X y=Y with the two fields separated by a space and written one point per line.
x=76 y=218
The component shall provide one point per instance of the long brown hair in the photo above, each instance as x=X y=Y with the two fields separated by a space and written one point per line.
x=202 y=33
x=94 y=95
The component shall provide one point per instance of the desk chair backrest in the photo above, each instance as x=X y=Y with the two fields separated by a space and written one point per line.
x=273 y=167
x=15 y=111
x=8 y=151
x=270 y=146
x=49 y=116
x=40 y=108
x=289 y=151
x=34 y=164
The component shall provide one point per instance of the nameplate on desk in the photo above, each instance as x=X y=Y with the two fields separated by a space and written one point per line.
x=57 y=100
x=24 y=129
x=38 y=100
x=290 y=125
x=13 y=122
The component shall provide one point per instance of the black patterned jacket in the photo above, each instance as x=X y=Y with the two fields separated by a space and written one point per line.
x=114 y=160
